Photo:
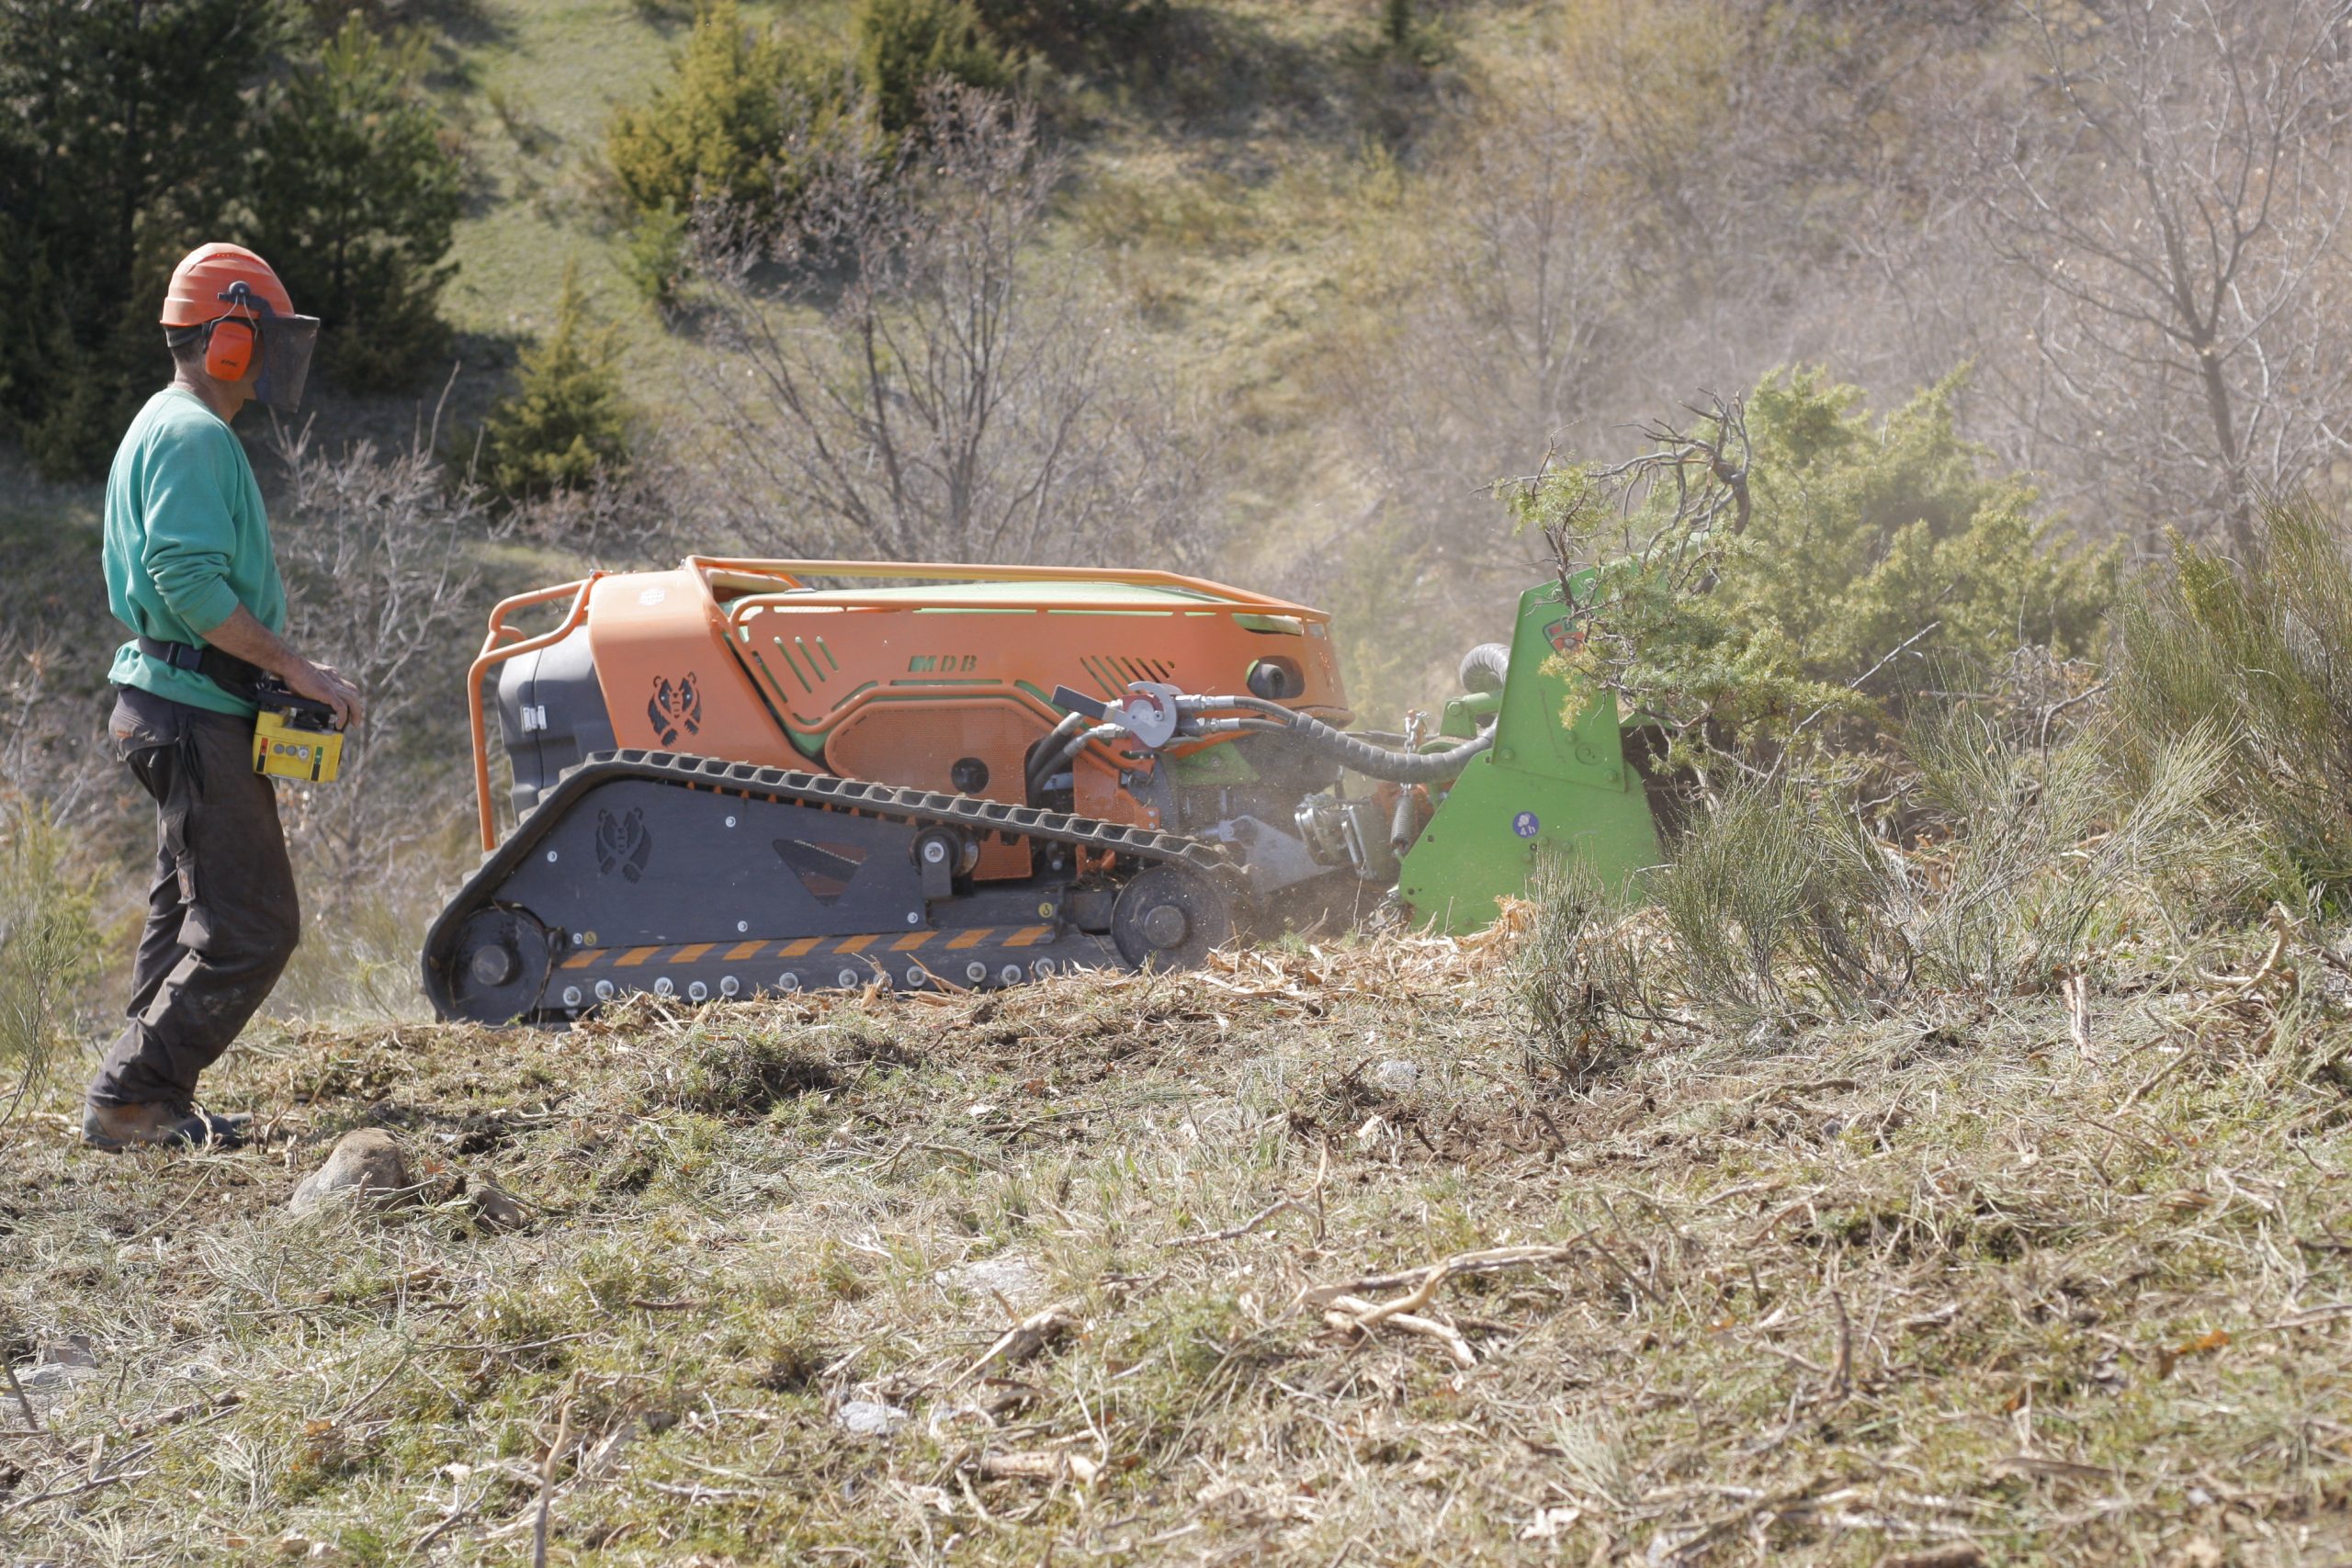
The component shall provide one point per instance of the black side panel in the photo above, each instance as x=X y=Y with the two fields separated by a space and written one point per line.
x=551 y=714
x=636 y=861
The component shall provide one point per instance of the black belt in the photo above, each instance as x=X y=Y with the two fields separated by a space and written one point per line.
x=236 y=676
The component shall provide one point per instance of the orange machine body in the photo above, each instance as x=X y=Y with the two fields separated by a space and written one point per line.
x=932 y=676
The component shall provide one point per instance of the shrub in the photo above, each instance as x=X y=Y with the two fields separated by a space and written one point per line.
x=1575 y=977
x=749 y=120
x=355 y=197
x=655 y=261
x=569 y=420
x=1405 y=37
x=1781 y=906
x=2026 y=865
x=1867 y=531
x=1795 y=559
x=2047 y=854
x=718 y=132
x=902 y=47
x=2262 y=657
x=49 y=946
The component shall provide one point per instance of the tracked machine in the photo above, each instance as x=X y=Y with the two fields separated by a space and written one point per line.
x=742 y=777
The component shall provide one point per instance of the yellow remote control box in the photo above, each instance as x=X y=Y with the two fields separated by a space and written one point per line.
x=291 y=744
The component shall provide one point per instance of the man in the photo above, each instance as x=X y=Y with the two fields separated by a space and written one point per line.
x=188 y=569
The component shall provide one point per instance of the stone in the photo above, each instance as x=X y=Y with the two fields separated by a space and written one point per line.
x=363 y=1164
x=869 y=1418
x=56 y=1370
x=494 y=1208
x=1013 y=1278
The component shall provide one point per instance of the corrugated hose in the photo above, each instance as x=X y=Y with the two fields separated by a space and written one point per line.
x=1351 y=751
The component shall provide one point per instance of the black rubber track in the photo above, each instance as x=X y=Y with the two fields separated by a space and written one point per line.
x=819 y=790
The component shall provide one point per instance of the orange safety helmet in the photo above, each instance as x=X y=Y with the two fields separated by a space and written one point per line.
x=234 y=298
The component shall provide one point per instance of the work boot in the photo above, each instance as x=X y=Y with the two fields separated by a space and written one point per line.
x=125 y=1126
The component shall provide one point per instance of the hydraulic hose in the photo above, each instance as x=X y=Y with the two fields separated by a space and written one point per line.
x=1042 y=761
x=1070 y=748
x=1485 y=667
x=1353 y=751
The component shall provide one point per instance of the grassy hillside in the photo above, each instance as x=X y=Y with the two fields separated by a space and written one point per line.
x=1979 y=1283
x=532 y=86
x=1945 y=1166
x=1236 y=185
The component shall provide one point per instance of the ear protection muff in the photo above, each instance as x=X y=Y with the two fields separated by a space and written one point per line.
x=229 y=350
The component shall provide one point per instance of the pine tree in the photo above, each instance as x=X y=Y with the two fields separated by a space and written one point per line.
x=123 y=128
x=355 y=197
x=568 y=418
x=715 y=131
x=901 y=47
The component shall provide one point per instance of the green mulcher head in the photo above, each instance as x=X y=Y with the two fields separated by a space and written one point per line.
x=1545 y=788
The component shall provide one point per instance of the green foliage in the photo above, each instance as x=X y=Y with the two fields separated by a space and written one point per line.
x=1781 y=906
x=2263 y=657
x=137 y=128
x=1873 y=552
x=2051 y=854
x=49 y=945
x=716 y=131
x=1865 y=534
x=121 y=139
x=355 y=193
x=569 y=420
x=655 y=261
x=1570 y=977
x=741 y=118
x=901 y=47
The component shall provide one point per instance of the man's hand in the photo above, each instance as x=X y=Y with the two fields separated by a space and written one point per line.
x=323 y=684
x=257 y=644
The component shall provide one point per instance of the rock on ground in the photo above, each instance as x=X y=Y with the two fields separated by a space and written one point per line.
x=363 y=1164
x=869 y=1418
x=493 y=1207
x=1016 y=1279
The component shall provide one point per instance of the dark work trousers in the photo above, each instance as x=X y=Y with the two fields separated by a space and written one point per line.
x=221 y=918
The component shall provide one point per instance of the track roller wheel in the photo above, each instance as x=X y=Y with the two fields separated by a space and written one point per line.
x=1168 y=917
x=498 y=966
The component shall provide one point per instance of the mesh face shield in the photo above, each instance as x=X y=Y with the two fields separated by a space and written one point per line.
x=283 y=347
x=286 y=345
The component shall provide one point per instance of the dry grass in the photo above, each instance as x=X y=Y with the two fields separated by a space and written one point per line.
x=2017 y=1279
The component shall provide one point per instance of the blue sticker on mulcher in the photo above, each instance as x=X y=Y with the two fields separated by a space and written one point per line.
x=1526 y=824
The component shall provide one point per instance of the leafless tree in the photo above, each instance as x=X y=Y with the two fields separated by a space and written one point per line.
x=1501 y=333
x=2170 y=191
x=50 y=738
x=1506 y=307
x=619 y=520
x=380 y=579
x=907 y=372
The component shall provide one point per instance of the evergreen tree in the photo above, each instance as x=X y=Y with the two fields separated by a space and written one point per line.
x=354 y=197
x=716 y=131
x=126 y=125
x=901 y=47
x=568 y=418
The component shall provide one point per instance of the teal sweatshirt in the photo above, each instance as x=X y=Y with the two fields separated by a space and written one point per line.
x=186 y=542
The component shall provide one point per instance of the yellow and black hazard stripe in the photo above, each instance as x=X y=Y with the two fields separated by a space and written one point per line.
x=761 y=951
